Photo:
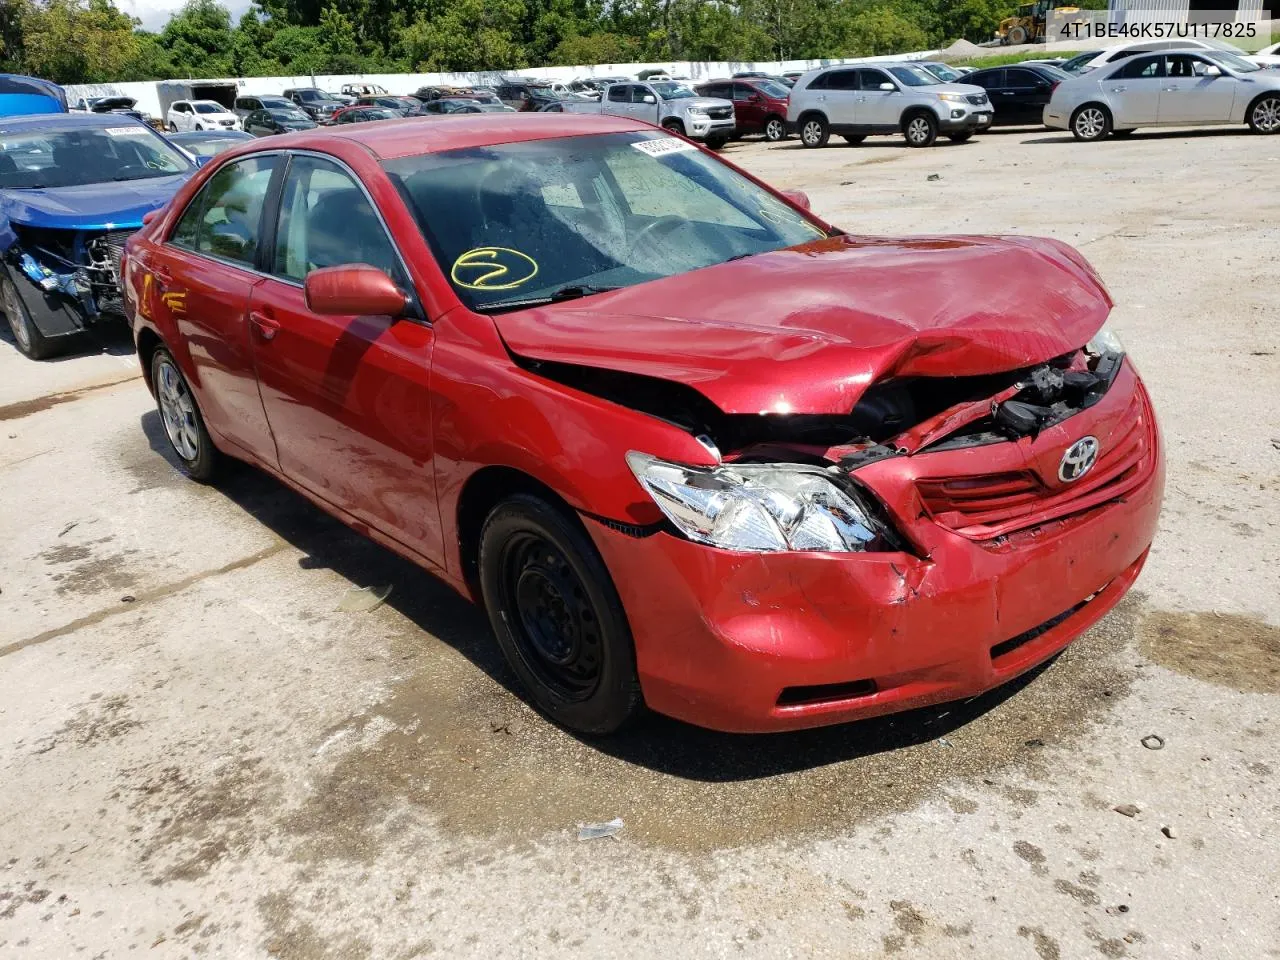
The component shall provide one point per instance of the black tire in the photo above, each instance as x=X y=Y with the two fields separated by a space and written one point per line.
x=1016 y=36
x=31 y=343
x=853 y=139
x=198 y=458
x=1264 y=114
x=675 y=126
x=557 y=616
x=775 y=129
x=173 y=127
x=814 y=131
x=715 y=143
x=1091 y=122
x=960 y=137
x=920 y=128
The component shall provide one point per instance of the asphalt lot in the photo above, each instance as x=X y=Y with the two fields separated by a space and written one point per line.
x=199 y=755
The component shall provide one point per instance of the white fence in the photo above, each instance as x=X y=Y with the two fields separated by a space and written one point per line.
x=404 y=83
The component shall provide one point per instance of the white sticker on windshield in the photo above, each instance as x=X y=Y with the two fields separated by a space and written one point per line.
x=662 y=146
x=138 y=131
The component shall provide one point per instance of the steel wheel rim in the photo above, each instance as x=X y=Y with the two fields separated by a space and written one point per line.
x=918 y=130
x=1090 y=123
x=178 y=411
x=773 y=130
x=812 y=132
x=554 y=625
x=1266 y=115
x=14 y=316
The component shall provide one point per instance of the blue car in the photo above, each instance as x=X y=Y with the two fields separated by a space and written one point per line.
x=24 y=96
x=73 y=187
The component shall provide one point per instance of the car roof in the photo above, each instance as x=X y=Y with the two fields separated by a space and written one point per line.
x=64 y=121
x=411 y=136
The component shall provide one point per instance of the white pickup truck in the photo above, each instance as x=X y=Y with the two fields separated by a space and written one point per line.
x=668 y=104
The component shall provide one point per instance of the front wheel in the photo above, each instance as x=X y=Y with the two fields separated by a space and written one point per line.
x=31 y=342
x=173 y=127
x=1090 y=123
x=1264 y=116
x=775 y=130
x=188 y=437
x=921 y=130
x=675 y=126
x=814 y=132
x=715 y=143
x=557 y=616
x=960 y=137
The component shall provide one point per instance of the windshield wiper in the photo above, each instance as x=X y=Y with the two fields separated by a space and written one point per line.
x=572 y=292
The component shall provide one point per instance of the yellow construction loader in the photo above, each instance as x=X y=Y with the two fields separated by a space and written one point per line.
x=1029 y=23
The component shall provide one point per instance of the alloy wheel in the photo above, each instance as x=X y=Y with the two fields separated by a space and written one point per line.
x=918 y=130
x=1266 y=115
x=773 y=130
x=13 y=311
x=178 y=410
x=812 y=133
x=1090 y=123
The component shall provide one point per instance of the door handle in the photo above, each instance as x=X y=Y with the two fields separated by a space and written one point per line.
x=822 y=99
x=862 y=100
x=266 y=326
x=1006 y=93
x=1170 y=89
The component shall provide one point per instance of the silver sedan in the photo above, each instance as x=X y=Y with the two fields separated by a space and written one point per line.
x=1172 y=88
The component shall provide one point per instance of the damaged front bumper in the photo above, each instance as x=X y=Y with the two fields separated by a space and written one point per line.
x=770 y=641
x=67 y=280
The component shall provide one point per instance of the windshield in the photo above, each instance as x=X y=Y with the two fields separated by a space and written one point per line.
x=208 y=106
x=944 y=72
x=774 y=89
x=1079 y=60
x=380 y=113
x=1238 y=64
x=525 y=220
x=914 y=76
x=289 y=116
x=70 y=158
x=668 y=90
x=209 y=146
x=311 y=96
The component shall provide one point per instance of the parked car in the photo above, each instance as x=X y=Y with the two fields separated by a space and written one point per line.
x=358 y=90
x=365 y=114
x=314 y=102
x=855 y=102
x=1018 y=92
x=248 y=104
x=1123 y=51
x=668 y=104
x=209 y=143
x=267 y=123
x=24 y=96
x=945 y=73
x=714 y=456
x=186 y=115
x=1080 y=62
x=73 y=187
x=120 y=106
x=759 y=104
x=459 y=105
x=1182 y=88
x=399 y=104
x=1268 y=56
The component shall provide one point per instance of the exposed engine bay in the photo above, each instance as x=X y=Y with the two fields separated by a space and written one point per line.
x=82 y=265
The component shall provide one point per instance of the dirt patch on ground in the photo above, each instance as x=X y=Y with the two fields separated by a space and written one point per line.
x=452 y=745
x=25 y=408
x=84 y=569
x=1227 y=649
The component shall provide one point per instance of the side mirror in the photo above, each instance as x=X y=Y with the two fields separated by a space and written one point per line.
x=353 y=289
x=650 y=98
x=1212 y=71
x=798 y=197
x=888 y=87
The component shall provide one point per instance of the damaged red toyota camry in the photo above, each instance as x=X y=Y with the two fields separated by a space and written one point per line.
x=690 y=446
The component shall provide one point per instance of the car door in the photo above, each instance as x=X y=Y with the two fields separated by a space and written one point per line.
x=992 y=81
x=205 y=280
x=835 y=97
x=1134 y=91
x=1028 y=93
x=1196 y=91
x=617 y=101
x=876 y=107
x=347 y=397
x=748 y=108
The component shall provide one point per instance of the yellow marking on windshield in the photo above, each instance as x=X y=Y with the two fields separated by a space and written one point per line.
x=493 y=268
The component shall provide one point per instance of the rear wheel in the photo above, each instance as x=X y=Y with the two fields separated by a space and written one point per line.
x=1091 y=122
x=920 y=129
x=557 y=616
x=853 y=139
x=1264 y=115
x=188 y=437
x=959 y=137
x=775 y=129
x=715 y=143
x=31 y=342
x=814 y=132
x=1016 y=36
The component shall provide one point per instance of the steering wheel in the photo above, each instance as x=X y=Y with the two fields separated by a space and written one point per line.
x=652 y=231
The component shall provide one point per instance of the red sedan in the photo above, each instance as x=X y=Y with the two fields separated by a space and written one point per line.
x=689 y=445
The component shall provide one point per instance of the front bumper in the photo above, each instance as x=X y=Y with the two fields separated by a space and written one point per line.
x=700 y=128
x=969 y=121
x=760 y=642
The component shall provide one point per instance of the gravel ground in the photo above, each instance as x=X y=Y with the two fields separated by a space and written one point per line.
x=200 y=755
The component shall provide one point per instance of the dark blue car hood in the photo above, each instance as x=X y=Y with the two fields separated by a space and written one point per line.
x=94 y=206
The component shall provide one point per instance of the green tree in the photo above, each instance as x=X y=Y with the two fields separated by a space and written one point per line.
x=468 y=35
x=73 y=41
x=595 y=48
x=199 y=39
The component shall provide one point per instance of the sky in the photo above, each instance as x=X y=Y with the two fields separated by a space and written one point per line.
x=155 y=13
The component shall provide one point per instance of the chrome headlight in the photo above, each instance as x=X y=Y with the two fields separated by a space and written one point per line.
x=697 y=111
x=758 y=507
x=953 y=97
x=1103 y=342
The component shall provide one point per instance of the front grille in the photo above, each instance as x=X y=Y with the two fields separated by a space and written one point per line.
x=720 y=113
x=977 y=99
x=992 y=505
x=115 y=241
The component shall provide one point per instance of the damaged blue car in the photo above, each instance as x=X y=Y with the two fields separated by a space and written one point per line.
x=73 y=187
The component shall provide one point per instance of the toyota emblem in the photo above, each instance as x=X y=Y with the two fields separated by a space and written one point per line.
x=1078 y=460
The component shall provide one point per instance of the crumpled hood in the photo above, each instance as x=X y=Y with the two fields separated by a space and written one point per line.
x=808 y=329
x=94 y=206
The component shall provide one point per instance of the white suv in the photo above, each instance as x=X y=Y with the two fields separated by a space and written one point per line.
x=187 y=115
x=858 y=100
